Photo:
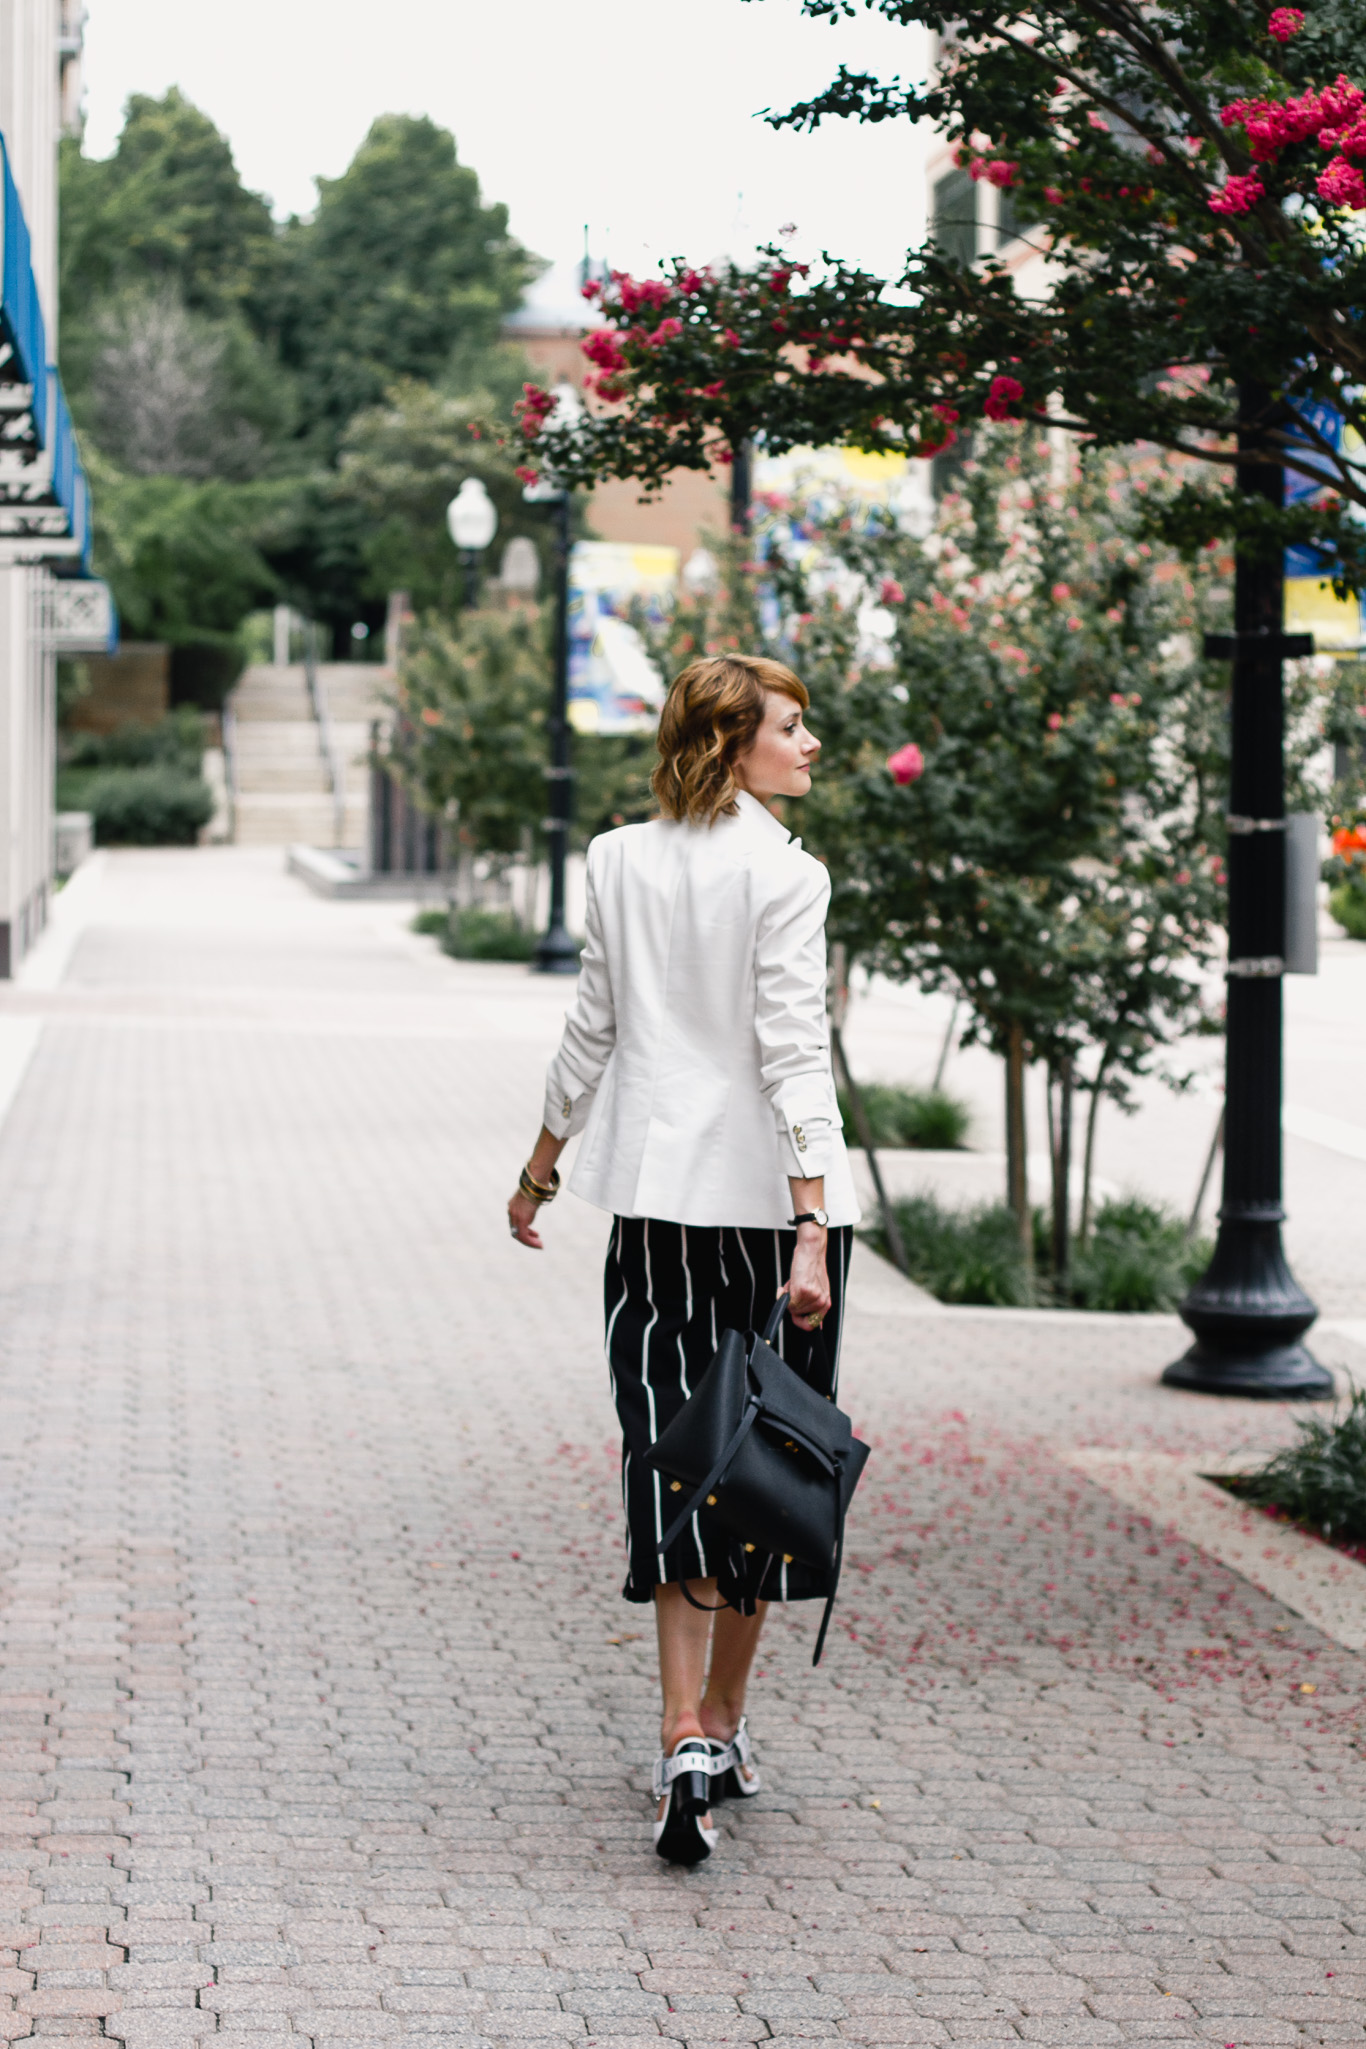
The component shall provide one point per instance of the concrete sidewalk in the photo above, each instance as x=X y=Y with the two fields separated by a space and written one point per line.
x=322 y=1718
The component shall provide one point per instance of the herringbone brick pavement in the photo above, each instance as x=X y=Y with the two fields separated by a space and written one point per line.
x=321 y=1716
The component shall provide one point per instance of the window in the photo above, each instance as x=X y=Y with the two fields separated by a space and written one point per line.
x=1011 y=224
x=955 y=216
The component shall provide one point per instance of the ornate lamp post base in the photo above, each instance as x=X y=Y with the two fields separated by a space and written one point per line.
x=556 y=953
x=1248 y=1313
x=1286 y=1373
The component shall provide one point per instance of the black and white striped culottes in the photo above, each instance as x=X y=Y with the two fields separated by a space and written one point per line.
x=669 y=1291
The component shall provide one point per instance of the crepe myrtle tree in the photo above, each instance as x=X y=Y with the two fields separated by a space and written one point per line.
x=1020 y=794
x=1197 y=173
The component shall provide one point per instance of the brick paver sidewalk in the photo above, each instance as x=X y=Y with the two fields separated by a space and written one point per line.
x=321 y=1716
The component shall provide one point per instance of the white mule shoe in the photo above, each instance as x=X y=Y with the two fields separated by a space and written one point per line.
x=733 y=1784
x=686 y=1780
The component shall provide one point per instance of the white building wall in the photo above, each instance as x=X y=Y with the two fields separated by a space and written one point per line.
x=30 y=115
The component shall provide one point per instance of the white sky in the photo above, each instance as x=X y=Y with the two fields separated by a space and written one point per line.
x=635 y=117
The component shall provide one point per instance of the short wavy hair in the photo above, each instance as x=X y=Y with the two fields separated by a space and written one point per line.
x=710 y=717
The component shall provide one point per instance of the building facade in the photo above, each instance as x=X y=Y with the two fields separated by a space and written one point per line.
x=44 y=505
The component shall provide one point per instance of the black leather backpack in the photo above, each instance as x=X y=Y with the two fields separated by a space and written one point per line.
x=775 y=1462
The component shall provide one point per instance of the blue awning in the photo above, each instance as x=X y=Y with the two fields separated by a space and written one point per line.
x=23 y=340
x=44 y=497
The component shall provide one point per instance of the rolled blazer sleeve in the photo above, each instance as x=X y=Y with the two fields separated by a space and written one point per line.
x=590 y=1032
x=790 y=1019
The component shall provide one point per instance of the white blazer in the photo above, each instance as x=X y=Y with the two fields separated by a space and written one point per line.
x=696 y=1057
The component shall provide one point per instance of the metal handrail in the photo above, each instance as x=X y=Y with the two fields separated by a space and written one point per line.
x=228 y=725
x=336 y=767
x=333 y=766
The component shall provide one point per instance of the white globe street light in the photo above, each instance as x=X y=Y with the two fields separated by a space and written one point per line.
x=472 y=519
x=472 y=516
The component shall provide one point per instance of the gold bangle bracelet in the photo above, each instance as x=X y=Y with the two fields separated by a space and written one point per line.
x=536 y=1191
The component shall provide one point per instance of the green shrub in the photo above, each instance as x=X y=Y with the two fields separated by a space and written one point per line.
x=963 y=1255
x=176 y=741
x=432 y=923
x=154 y=806
x=487 y=935
x=1347 y=904
x=924 y=1118
x=1320 y=1480
x=1137 y=1259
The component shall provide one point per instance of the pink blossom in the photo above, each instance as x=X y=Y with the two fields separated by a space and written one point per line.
x=907 y=764
x=1342 y=184
x=713 y=390
x=890 y=592
x=943 y=412
x=1052 y=194
x=1114 y=614
x=1240 y=194
x=526 y=474
x=1053 y=721
x=603 y=348
x=1118 y=697
x=1095 y=120
x=591 y=289
x=1183 y=876
x=1060 y=593
x=1074 y=625
x=996 y=170
x=692 y=282
x=665 y=331
x=634 y=293
x=1004 y=392
x=729 y=338
x=1285 y=22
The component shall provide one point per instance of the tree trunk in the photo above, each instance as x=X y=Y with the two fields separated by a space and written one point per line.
x=945 y=1049
x=1060 y=1132
x=891 y=1228
x=1017 y=1168
x=1084 y=1227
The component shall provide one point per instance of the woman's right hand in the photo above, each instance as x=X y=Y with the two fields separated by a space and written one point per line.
x=522 y=1221
x=808 y=1287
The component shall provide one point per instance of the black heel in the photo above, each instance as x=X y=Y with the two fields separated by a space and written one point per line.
x=686 y=1778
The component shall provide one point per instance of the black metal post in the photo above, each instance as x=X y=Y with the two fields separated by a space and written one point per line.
x=1248 y=1312
x=741 y=485
x=469 y=578
x=557 y=954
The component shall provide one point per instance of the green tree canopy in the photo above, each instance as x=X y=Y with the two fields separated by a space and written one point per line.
x=204 y=347
x=402 y=272
x=166 y=209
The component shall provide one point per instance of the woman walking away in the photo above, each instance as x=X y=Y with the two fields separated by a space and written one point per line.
x=696 y=1063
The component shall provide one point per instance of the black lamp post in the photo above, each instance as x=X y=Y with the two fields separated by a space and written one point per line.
x=556 y=953
x=1248 y=1312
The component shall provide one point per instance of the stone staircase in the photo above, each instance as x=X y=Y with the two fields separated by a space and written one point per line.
x=283 y=793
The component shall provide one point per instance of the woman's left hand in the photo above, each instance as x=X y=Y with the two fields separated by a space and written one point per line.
x=522 y=1221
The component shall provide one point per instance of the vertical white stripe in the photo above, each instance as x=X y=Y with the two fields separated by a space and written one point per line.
x=612 y=1319
x=687 y=1309
x=683 y=1371
x=649 y=1391
x=753 y=1283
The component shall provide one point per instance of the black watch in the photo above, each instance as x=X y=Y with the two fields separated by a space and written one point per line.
x=812 y=1216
